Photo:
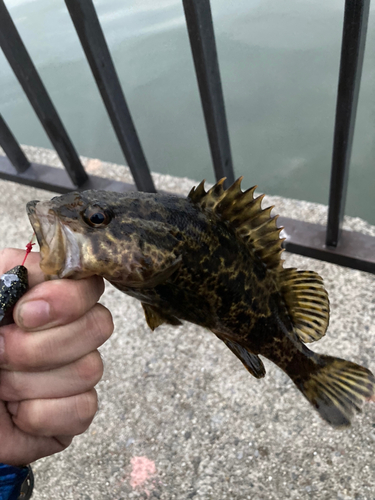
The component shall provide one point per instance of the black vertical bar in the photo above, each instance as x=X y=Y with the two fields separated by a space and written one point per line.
x=12 y=148
x=90 y=33
x=352 y=52
x=24 y=69
x=202 y=40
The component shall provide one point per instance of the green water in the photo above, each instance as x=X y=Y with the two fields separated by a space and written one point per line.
x=279 y=62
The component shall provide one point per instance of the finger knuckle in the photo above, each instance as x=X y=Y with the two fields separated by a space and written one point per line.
x=86 y=293
x=100 y=323
x=27 y=356
x=86 y=407
x=31 y=418
x=90 y=368
x=11 y=388
x=21 y=359
x=35 y=353
x=19 y=350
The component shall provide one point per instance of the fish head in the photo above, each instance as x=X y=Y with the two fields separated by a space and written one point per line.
x=68 y=228
x=87 y=233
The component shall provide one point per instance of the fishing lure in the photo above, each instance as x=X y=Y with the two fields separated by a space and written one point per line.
x=13 y=285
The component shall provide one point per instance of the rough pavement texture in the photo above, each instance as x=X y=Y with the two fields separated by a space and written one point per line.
x=203 y=426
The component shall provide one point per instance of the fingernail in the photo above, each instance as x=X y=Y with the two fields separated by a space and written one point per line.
x=34 y=313
x=13 y=408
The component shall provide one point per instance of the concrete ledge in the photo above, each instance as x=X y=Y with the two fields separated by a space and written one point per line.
x=180 y=398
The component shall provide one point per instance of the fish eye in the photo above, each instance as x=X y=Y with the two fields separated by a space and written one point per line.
x=97 y=217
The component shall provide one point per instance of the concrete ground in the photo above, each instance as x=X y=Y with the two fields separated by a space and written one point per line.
x=178 y=403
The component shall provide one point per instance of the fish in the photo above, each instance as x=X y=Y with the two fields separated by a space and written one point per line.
x=13 y=285
x=212 y=259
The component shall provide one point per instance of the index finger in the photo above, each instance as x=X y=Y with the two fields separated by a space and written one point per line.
x=11 y=257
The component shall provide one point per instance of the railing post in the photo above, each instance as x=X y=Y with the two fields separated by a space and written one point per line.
x=12 y=148
x=352 y=52
x=92 y=39
x=202 y=40
x=24 y=69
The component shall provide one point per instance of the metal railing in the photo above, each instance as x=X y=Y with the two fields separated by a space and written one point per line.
x=329 y=243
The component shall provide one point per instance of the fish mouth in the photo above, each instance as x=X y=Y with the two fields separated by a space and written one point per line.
x=59 y=250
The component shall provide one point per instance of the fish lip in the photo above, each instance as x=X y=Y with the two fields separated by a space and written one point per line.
x=30 y=206
x=42 y=220
x=34 y=221
x=60 y=254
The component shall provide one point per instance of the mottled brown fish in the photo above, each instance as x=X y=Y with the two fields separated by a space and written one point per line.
x=212 y=259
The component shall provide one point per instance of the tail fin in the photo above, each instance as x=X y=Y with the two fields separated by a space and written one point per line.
x=337 y=388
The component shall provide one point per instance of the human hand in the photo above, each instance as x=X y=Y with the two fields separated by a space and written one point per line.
x=49 y=363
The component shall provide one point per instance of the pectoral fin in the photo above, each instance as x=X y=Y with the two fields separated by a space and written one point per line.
x=155 y=317
x=141 y=279
x=252 y=362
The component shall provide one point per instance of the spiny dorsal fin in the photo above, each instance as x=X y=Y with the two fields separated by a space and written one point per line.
x=245 y=214
x=307 y=302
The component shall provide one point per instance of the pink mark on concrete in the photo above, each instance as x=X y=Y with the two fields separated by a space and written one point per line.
x=143 y=469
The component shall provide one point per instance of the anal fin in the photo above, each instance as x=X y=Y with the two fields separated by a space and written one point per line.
x=155 y=317
x=251 y=361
